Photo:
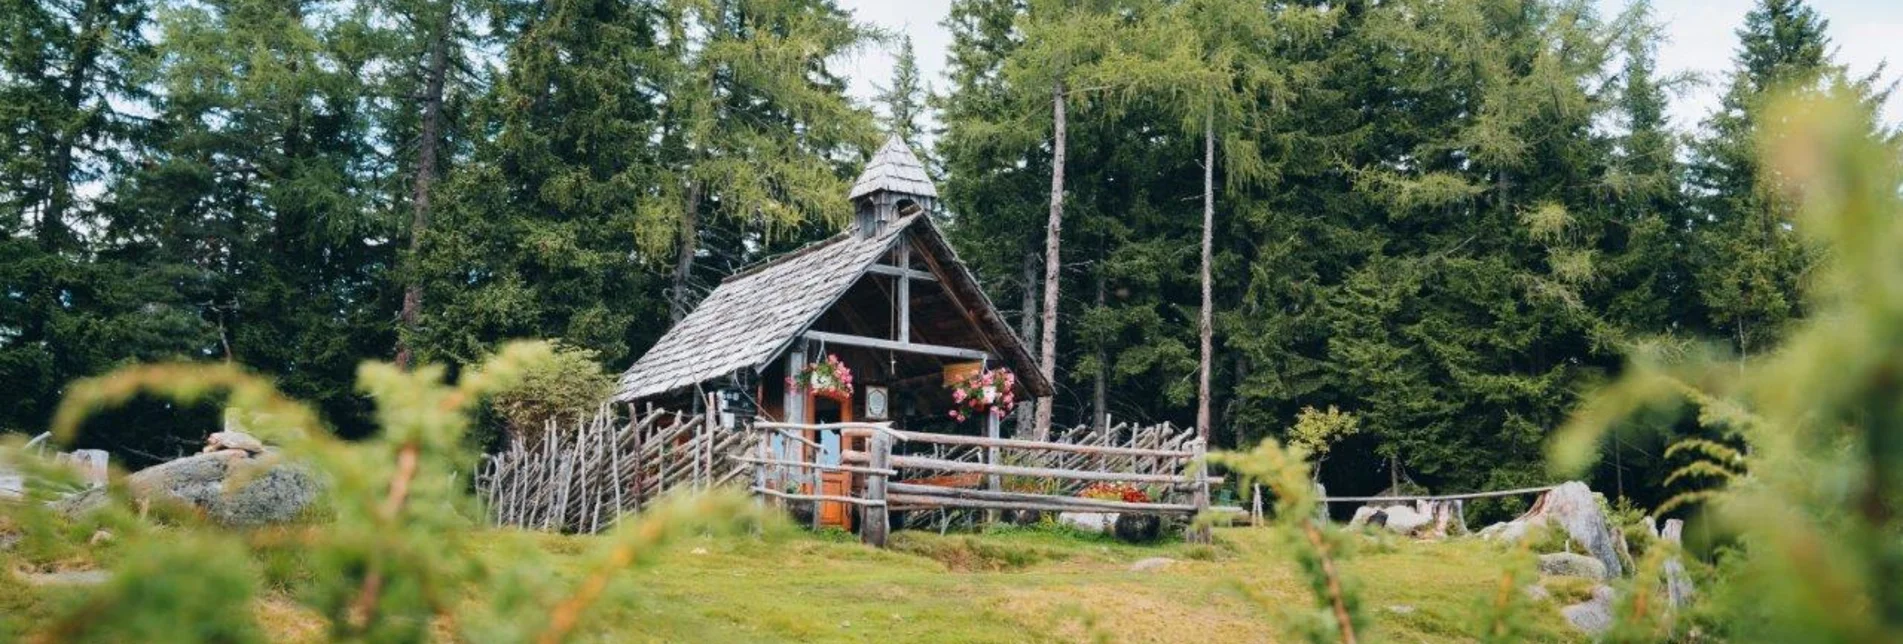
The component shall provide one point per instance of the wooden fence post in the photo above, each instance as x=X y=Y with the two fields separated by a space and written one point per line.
x=760 y=452
x=993 y=482
x=1200 y=533
x=875 y=521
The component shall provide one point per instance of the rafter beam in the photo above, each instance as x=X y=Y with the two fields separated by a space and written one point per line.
x=894 y=345
x=896 y=271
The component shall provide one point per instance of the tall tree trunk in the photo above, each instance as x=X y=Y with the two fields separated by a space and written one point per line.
x=432 y=127
x=1027 y=329
x=1206 y=328
x=1047 y=347
x=1099 y=384
x=690 y=244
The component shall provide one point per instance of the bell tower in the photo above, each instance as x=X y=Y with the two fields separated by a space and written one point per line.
x=893 y=185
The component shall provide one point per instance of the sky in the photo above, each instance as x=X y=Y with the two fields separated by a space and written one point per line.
x=1700 y=35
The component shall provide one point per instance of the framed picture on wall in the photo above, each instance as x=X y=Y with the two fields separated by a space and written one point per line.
x=877 y=405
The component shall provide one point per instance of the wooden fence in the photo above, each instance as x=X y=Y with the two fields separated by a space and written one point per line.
x=582 y=477
x=896 y=466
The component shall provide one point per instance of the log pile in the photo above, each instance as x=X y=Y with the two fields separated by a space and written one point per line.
x=581 y=476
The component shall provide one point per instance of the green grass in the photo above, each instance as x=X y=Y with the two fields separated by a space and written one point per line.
x=1009 y=585
x=1027 y=585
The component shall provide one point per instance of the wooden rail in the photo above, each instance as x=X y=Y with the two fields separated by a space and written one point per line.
x=1093 y=458
x=1438 y=497
x=1042 y=472
x=819 y=497
x=1012 y=443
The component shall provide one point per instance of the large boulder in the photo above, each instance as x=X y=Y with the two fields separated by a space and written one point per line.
x=1566 y=564
x=1572 y=507
x=231 y=486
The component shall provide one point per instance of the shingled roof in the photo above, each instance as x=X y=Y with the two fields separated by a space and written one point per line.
x=754 y=315
x=895 y=169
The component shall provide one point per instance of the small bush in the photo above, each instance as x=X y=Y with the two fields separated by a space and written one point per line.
x=571 y=380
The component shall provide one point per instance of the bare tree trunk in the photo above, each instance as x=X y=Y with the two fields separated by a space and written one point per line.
x=690 y=244
x=1047 y=347
x=426 y=152
x=1027 y=329
x=1100 y=385
x=1206 y=326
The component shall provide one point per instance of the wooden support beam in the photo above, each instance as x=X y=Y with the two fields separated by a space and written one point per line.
x=904 y=332
x=894 y=345
x=888 y=269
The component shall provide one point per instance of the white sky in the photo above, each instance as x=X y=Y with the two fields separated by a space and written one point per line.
x=1700 y=33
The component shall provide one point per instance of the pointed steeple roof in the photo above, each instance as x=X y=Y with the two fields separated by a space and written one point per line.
x=894 y=169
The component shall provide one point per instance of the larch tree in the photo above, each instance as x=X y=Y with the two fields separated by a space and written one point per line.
x=755 y=130
x=433 y=75
x=1060 y=39
x=1215 y=63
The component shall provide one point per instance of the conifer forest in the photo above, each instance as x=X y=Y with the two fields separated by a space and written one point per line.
x=1448 y=245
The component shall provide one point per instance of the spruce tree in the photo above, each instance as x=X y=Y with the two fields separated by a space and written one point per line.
x=263 y=179
x=70 y=83
x=904 y=99
x=1750 y=264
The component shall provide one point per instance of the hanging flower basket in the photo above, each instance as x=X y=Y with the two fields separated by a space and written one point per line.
x=829 y=377
x=986 y=392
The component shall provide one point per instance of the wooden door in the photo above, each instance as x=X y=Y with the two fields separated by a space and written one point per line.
x=828 y=410
x=833 y=513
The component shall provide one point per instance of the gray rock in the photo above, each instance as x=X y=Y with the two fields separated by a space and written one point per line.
x=1400 y=519
x=1536 y=592
x=1406 y=520
x=1593 y=616
x=230 y=486
x=233 y=440
x=1366 y=514
x=1678 y=584
x=1151 y=564
x=1574 y=507
x=1567 y=564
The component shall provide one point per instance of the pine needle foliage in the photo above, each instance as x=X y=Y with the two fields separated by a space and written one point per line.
x=1816 y=510
x=389 y=558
